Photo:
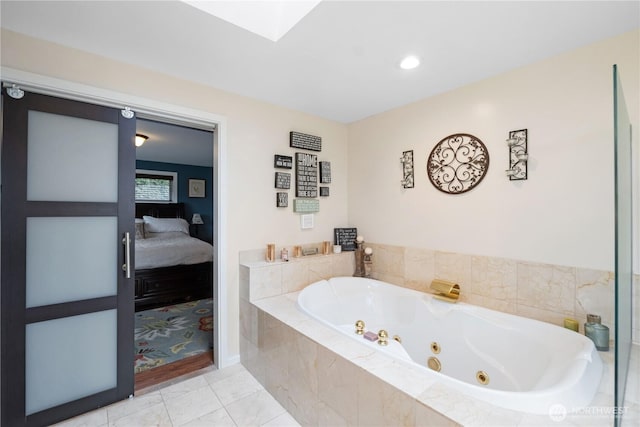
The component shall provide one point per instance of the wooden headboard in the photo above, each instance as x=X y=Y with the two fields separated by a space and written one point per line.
x=160 y=210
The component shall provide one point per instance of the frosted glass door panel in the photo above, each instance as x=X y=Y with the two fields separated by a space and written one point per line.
x=69 y=358
x=71 y=159
x=71 y=258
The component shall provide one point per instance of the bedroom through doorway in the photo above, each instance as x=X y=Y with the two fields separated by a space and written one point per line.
x=174 y=306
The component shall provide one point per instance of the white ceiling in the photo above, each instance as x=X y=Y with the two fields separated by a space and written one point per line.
x=341 y=60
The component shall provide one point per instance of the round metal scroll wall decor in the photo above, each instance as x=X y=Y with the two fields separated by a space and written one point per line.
x=457 y=163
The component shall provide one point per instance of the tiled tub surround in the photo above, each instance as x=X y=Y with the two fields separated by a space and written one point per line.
x=530 y=365
x=545 y=292
x=324 y=378
x=261 y=279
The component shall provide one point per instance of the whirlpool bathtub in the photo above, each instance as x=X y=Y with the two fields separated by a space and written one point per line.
x=506 y=360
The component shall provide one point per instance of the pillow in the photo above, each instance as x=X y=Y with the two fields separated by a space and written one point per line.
x=164 y=225
x=140 y=229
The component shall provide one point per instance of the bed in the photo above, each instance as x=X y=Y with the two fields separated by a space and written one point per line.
x=171 y=266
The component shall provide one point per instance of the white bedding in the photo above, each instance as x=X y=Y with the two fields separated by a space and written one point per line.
x=172 y=248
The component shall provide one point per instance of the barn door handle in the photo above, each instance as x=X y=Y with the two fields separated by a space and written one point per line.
x=126 y=267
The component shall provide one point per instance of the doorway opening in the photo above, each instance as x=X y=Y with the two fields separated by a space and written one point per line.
x=173 y=333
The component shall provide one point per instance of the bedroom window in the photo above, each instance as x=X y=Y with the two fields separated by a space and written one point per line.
x=156 y=186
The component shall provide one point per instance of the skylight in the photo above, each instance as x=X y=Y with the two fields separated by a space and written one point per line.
x=271 y=19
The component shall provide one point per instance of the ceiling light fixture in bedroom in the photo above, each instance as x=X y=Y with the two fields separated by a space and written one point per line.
x=410 y=62
x=140 y=139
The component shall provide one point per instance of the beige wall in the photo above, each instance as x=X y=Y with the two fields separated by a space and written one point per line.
x=255 y=132
x=563 y=214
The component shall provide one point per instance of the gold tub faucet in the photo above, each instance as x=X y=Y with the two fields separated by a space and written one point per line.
x=445 y=291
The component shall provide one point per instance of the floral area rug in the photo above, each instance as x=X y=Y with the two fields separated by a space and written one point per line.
x=167 y=334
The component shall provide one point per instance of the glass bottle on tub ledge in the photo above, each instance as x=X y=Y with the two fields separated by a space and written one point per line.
x=597 y=332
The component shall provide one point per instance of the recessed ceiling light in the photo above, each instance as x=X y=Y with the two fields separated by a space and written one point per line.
x=410 y=62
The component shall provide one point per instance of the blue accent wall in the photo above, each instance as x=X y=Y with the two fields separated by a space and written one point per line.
x=192 y=205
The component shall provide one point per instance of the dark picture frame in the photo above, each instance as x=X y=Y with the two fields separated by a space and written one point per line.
x=282 y=200
x=282 y=162
x=283 y=180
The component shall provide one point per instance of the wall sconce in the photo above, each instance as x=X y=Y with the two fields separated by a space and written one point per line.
x=407 y=169
x=518 y=155
x=140 y=139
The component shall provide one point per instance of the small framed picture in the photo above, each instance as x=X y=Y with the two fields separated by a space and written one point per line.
x=283 y=180
x=282 y=162
x=325 y=172
x=196 y=187
x=282 y=200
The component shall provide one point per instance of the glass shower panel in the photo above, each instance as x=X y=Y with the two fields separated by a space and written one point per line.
x=69 y=358
x=67 y=151
x=623 y=243
x=70 y=259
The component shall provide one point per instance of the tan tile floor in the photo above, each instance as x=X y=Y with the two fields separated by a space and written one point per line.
x=226 y=397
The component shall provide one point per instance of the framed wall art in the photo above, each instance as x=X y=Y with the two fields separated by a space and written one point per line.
x=282 y=162
x=282 y=200
x=325 y=172
x=283 y=180
x=306 y=175
x=305 y=141
x=196 y=187
x=458 y=163
x=345 y=237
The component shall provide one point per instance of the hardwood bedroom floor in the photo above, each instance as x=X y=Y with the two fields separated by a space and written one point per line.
x=162 y=374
